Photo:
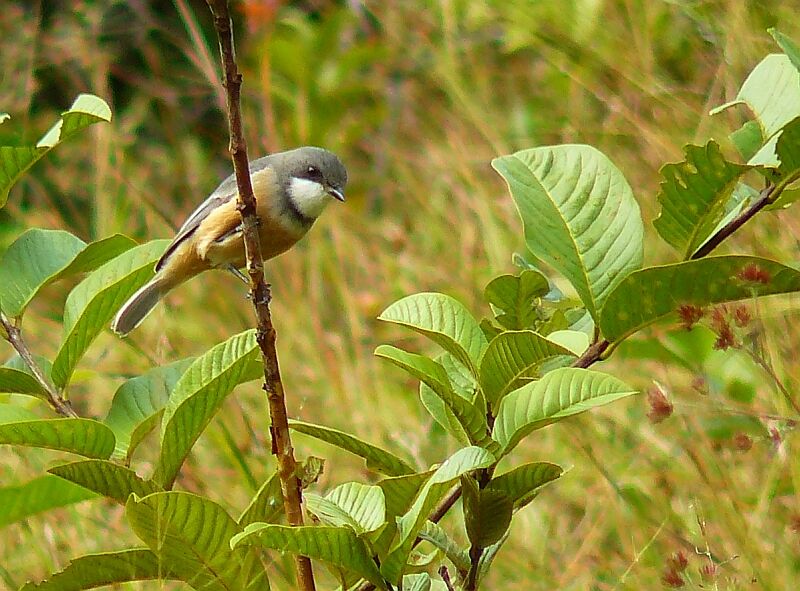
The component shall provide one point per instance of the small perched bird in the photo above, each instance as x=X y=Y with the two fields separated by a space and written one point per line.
x=291 y=189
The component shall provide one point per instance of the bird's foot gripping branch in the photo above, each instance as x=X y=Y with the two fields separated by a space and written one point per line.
x=494 y=383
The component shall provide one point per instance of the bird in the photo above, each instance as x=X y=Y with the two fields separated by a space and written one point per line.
x=291 y=188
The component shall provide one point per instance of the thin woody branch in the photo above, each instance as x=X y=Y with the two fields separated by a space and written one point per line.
x=13 y=335
x=259 y=289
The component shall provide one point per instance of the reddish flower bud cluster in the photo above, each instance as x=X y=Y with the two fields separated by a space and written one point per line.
x=660 y=406
x=690 y=315
x=752 y=273
x=676 y=564
x=708 y=572
x=741 y=316
x=721 y=325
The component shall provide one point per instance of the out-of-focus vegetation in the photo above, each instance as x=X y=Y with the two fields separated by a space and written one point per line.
x=417 y=98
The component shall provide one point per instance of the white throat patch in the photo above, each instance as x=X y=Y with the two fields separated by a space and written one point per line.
x=309 y=197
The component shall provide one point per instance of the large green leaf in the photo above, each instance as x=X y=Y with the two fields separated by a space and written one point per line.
x=487 y=513
x=198 y=395
x=106 y=478
x=513 y=358
x=192 y=535
x=400 y=491
x=579 y=216
x=86 y=110
x=436 y=535
x=20 y=382
x=463 y=461
x=693 y=196
x=515 y=296
x=445 y=321
x=772 y=92
x=524 y=482
x=559 y=394
x=653 y=293
x=39 y=257
x=377 y=459
x=338 y=546
x=95 y=300
x=84 y=437
x=359 y=506
x=46 y=492
x=471 y=419
x=99 y=570
x=139 y=403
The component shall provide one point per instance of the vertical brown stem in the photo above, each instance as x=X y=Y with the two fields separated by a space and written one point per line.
x=259 y=290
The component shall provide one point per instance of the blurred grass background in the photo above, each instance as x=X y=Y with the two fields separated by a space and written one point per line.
x=417 y=97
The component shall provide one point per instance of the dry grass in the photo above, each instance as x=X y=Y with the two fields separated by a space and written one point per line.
x=417 y=105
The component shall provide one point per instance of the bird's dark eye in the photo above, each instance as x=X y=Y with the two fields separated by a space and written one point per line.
x=313 y=173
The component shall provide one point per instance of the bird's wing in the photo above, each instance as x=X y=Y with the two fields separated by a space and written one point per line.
x=226 y=191
x=193 y=222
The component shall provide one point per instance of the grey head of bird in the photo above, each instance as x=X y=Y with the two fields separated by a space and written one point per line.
x=311 y=177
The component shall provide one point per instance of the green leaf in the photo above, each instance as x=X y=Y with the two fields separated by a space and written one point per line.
x=197 y=396
x=559 y=394
x=139 y=403
x=487 y=513
x=789 y=47
x=39 y=257
x=436 y=535
x=192 y=535
x=400 y=491
x=471 y=419
x=84 y=437
x=46 y=492
x=445 y=321
x=19 y=382
x=85 y=111
x=512 y=359
x=418 y=582
x=747 y=139
x=109 y=568
x=693 y=196
x=524 y=482
x=106 y=478
x=516 y=296
x=266 y=505
x=772 y=92
x=463 y=382
x=463 y=461
x=95 y=300
x=572 y=340
x=579 y=216
x=338 y=546
x=377 y=459
x=653 y=293
x=442 y=414
x=365 y=504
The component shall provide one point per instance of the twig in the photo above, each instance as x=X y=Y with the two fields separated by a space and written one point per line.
x=445 y=574
x=260 y=291
x=475 y=553
x=764 y=199
x=14 y=336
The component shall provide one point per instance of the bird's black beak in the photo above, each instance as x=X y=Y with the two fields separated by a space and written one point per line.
x=336 y=193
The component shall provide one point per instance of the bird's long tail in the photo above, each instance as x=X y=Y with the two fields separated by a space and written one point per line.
x=139 y=305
